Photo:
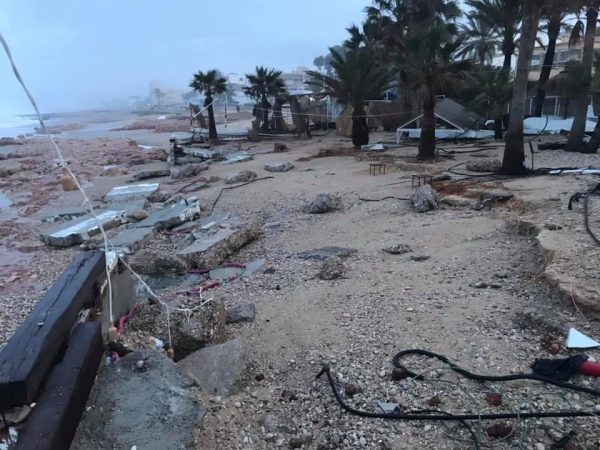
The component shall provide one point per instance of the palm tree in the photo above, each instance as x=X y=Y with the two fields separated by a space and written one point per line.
x=262 y=84
x=504 y=16
x=429 y=68
x=553 y=13
x=358 y=78
x=494 y=90
x=480 y=40
x=209 y=82
x=574 y=142
x=514 y=154
x=592 y=145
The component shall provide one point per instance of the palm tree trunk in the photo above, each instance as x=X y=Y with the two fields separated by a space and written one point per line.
x=427 y=139
x=265 y=113
x=594 y=142
x=566 y=110
x=553 y=32
x=514 y=154
x=360 y=130
x=277 y=116
x=574 y=143
x=212 y=126
x=498 y=128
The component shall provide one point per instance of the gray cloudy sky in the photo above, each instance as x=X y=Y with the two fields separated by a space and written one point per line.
x=77 y=52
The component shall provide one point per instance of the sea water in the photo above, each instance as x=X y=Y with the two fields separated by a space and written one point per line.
x=14 y=125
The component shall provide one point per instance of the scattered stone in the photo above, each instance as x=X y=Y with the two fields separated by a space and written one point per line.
x=298 y=442
x=242 y=313
x=323 y=253
x=483 y=165
x=281 y=167
x=241 y=177
x=434 y=401
x=499 y=430
x=424 y=199
x=279 y=147
x=419 y=258
x=481 y=285
x=218 y=369
x=332 y=269
x=398 y=249
x=553 y=226
x=493 y=399
x=151 y=409
x=259 y=377
x=324 y=203
x=351 y=390
x=398 y=374
x=288 y=396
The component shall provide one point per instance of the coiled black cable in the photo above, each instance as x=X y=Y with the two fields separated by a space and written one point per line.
x=420 y=416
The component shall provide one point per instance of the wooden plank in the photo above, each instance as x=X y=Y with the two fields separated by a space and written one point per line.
x=29 y=354
x=54 y=420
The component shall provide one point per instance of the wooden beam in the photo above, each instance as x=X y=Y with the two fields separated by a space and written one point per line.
x=25 y=360
x=54 y=420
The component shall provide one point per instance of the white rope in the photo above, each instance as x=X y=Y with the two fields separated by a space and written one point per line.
x=87 y=202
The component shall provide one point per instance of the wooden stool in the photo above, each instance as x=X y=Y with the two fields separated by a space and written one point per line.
x=374 y=169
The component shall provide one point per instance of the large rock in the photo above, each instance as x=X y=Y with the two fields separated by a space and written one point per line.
x=483 y=165
x=281 y=167
x=323 y=203
x=150 y=262
x=241 y=177
x=142 y=402
x=219 y=369
x=425 y=198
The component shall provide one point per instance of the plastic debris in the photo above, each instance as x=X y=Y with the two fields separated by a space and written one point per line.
x=577 y=339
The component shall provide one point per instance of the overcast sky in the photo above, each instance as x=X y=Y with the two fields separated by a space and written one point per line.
x=73 y=52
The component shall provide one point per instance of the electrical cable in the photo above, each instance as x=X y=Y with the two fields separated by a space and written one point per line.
x=586 y=209
x=418 y=416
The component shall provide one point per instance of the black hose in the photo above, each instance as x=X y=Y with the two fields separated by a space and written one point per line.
x=420 y=416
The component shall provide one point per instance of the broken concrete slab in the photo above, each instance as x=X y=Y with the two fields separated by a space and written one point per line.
x=324 y=253
x=132 y=191
x=79 y=231
x=131 y=240
x=188 y=170
x=242 y=313
x=152 y=170
x=281 y=167
x=151 y=262
x=207 y=223
x=143 y=402
x=218 y=369
x=129 y=207
x=170 y=217
x=213 y=247
x=236 y=157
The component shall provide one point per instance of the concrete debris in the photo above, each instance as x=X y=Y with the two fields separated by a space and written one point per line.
x=151 y=409
x=130 y=240
x=167 y=218
x=281 y=167
x=151 y=262
x=457 y=200
x=152 y=170
x=321 y=254
x=188 y=170
x=129 y=208
x=242 y=313
x=332 y=269
x=241 y=177
x=424 y=199
x=206 y=223
x=132 y=191
x=322 y=204
x=483 y=165
x=218 y=369
x=15 y=415
x=226 y=273
x=398 y=249
x=233 y=158
x=214 y=246
x=82 y=230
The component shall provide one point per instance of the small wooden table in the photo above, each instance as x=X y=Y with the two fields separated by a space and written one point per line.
x=374 y=169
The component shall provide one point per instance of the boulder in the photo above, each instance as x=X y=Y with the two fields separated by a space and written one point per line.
x=218 y=369
x=241 y=177
x=483 y=165
x=323 y=203
x=242 y=313
x=281 y=167
x=150 y=262
x=424 y=199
